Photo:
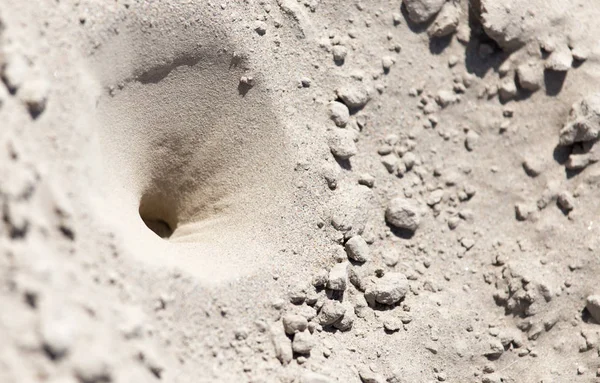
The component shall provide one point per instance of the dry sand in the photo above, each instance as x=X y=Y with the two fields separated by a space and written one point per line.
x=300 y=191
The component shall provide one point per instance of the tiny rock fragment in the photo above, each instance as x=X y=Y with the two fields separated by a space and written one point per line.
x=261 y=28
x=435 y=197
x=584 y=121
x=338 y=276
x=341 y=143
x=390 y=161
x=471 y=140
x=339 y=54
x=530 y=76
x=367 y=180
x=358 y=249
x=446 y=21
x=303 y=342
x=293 y=323
x=420 y=11
x=331 y=312
x=34 y=94
x=566 y=201
x=403 y=213
x=593 y=307
x=387 y=290
x=386 y=63
x=339 y=113
x=346 y=322
x=560 y=60
x=355 y=97
x=533 y=166
x=507 y=90
x=368 y=376
x=523 y=211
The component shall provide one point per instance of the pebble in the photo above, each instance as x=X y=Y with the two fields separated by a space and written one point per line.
x=303 y=343
x=15 y=71
x=355 y=97
x=584 y=121
x=339 y=113
x=530 y=76
x=390 y=162
x=471 y=140
x=358 y=249
x=446 y=21
x=403 y=213
x=367 y=180
x=435 y=197
x=533 y=166
x=409 y=160
x=566 y=201
x=387 y=290
x=420 y=11
x=338 y=277
x=261 y=28
x=34 y=94
x=341 y=143
x=386 y=63
x=507 y=90
x=331 y=312
x=347 y=321
x=294 y=323
x=560 y=60
x=593 y=306
x=368 y=376
x=339 y=54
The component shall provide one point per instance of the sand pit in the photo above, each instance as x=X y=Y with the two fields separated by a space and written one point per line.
x=299 y=191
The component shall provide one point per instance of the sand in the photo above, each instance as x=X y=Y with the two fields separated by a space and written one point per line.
x=299 y=191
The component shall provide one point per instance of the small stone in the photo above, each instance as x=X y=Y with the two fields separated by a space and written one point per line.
x=533 y=166
x=445 y=98
x=358 y=249
x=386 y=63
x=355 y=97
x=593 y=307
x=584 y=121
x=293 y=323
x=368 y=376
x=347 y=321
x=420 y=11
x=560 y=60
x=392 y=324
x=390 y=161
x=34 y=94
x=387 y=290
x=261 y=28
x=471 y=140
x=303 y=342
x=390 y=258
x=341 y=143
x=339 y=113
x=566 y=201
x=338 y=277
x=403 y=213
x=331 y=312
x=523 y=211
x=435 y=197
x=409 y=160
x=507 y=90
x=367 y=180
x=320 y=279
x=467 y=243
x=339 y=54
x=446 y=21
x=57 y=333
x=495 y=349
x=530 y=76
